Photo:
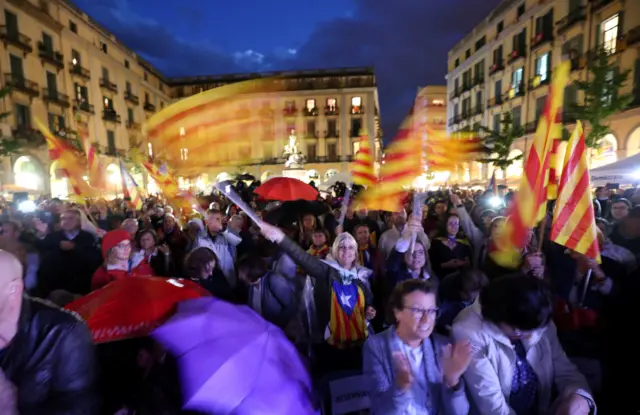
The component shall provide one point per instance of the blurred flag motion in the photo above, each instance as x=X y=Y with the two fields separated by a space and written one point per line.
x=530 y=201
x=362 y=169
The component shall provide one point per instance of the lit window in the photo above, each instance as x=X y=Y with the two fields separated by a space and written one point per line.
x=184 y=153
x=310 y=104
x=542 y=67
x=356 y=102
x=290 y=105
x=438 y=102
x=332 y=103
x=516 y=80
x=182 y=132
x=610 y=33
x=150 y=147
x=356 y=147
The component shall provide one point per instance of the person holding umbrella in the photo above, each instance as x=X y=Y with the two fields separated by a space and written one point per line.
x=343 y=301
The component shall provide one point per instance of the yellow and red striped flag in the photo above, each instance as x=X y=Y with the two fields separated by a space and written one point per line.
x=362 y=166
x=130 y=188
x=401 y=165
x=94 y=166
x=531 y=199
x=71 y=164
x=574 y=222
x=445 y=152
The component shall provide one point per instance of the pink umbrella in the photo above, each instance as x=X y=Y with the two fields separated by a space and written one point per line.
x=233 y=361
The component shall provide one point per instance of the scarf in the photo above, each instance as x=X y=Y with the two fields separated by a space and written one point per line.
x=319 y=252
x=346 y=276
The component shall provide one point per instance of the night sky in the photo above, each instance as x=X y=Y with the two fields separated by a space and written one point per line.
x=406 y=41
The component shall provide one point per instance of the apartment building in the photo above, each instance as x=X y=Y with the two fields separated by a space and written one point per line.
x=505 y=64
x=66 y=70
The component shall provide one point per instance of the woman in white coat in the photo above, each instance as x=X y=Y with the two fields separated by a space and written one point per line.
x=517 y=359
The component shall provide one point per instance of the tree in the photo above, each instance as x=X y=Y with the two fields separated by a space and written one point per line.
x=601 y=95
x=500 y=143
x=8 y=145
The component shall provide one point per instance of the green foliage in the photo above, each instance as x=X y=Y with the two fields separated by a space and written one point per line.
x=601 y=95
x=8 y=145
x=501 y=142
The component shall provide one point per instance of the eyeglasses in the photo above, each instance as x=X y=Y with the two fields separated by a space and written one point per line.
x=346 y=248
x=419 y=313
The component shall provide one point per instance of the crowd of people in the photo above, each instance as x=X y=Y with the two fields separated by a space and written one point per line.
x=412 y=301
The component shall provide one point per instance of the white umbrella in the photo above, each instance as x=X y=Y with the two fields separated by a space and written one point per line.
x=339 y=177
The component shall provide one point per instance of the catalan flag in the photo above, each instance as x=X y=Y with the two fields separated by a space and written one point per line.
x=574 y=222
x=445 y=152
x=401 y=165
x=130 y=188
x=347 y=320
x=531 y=199
x=70 y=162
x=362 y=169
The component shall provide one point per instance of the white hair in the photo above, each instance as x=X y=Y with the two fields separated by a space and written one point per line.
x=346 y=239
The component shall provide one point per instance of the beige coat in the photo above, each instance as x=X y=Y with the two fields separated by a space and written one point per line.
x=489 y=376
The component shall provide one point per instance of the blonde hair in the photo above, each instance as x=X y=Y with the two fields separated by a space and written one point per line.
x=347 y=239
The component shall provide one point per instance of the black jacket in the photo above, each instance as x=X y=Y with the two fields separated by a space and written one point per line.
x=51 y=362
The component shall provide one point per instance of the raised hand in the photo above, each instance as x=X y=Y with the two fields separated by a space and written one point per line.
x=455 y=360
x=272 y=233
x=404 y=378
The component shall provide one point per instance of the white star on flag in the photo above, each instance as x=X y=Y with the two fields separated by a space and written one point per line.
x=344 y=299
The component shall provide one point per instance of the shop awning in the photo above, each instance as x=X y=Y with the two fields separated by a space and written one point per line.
x=625 y=171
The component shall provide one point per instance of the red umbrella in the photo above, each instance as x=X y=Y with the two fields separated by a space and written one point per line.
x=286 y=189
x=133 y=306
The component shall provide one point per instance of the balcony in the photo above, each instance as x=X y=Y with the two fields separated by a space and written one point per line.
x=455 y=119
x=495 y=101
x=53 y=96
x=466 y=86
x=108 y=85
x=513 y=93
x=537 y=81
x=50 y=56
x=357 y=109
x=149 y=107
x=77 y=70
x=132 y=125
x=540 y=39
x=575 y=16
x=289 y=112
x=496 y=67
x=30 y=137
x=632 y=36
x=130 y=97
x=15 y=38
x=515 y=55
x=22 y=84
x=478 y=79
x=83 y=106
x=331 y=134
x=111 y=115
x=457 y=91
x=330 y=110
x=578 y=62
x=530 y=127
x=313 y=112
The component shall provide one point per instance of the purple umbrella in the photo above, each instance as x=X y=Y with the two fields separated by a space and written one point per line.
x=233 y=361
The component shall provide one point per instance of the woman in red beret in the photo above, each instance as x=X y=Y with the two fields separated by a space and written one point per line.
x=118 y=263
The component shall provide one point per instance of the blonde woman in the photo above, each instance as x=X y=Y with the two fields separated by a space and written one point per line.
x=342 y=300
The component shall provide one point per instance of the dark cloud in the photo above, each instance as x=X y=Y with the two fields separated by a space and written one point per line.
x=407 y=43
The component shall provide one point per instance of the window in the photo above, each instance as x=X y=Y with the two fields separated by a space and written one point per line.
x=356 y=105
x=82 y=93
x=332 y=128
x=481 y=42
x=311 y=152
x=311 y=129
x=356 y=126
x=291 y=129
x=75 y=57
x=145 y=77
x=467 y=54
x=127 y=87
x=310 y=105
x=438 y=102
x=105 y=73
x=290 y=105
x=500 y=27
x=332 y=151
x=108 y=103
x=355 y=147
x=332 y=104
x=466 y=107
x=497 y=91
x=540 y=103
x=47 y=42
x=521 y=10
x=52 y=82
x=146 y=98
x=542 y=67
x=11 y=21
x=104 y=47
x=607 y=93
x=73 y=26
x=126 y=64
x=479 y=71
x=457 y=62
x=516 y=80
x=517 y=116
x=456 y=110
x=111 y=142
x=56 y=122
x=497 y=119
x=570 y=96
x=478 y=106
x=610 y=33
x=130 y=115
x=23 y=116
x=497 y=57
x=17 y=71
